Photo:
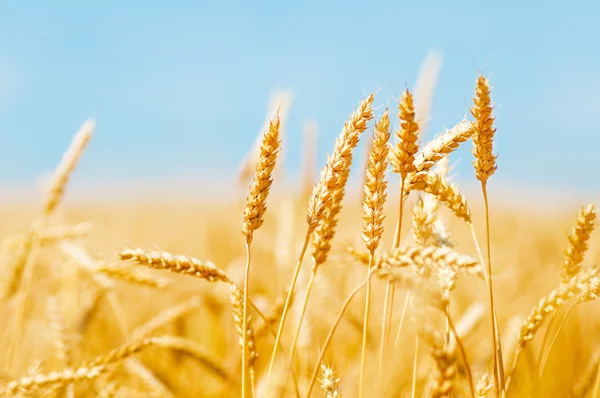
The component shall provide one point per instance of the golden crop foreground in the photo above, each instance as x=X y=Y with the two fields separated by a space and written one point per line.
x=413 y=293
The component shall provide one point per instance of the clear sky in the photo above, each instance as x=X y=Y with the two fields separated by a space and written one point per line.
x=181 y=88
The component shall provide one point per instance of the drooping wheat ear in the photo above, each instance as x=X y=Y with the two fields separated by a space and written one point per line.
x=30 y=384
x=578 y=242
x=484 y=386
x=66 y=166
x=590 y=292
x=485 y=160
x=445 y=193
x=87 y=371
x=445 y=362
x=256 y=205
x=176 y=264
x=329 y=383
x=237 y=304
x=443 y=145
x=375 y=185
x=429 y=258
x=403 y=155
x=437 y=149
x=326 y=200
x=549 y=304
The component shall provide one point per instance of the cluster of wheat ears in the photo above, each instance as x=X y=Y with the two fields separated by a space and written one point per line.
x=425 y=271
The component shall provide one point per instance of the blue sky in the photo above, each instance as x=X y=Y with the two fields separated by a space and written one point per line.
x=179 y=87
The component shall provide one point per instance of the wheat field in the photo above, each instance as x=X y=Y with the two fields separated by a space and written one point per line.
x=319 y=290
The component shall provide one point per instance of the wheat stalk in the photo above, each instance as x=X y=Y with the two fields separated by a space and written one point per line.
x=485 y=166
x=256 y=206
x=402 y=159
x=373 y=216
x=321 y=200
x=547 y=306
x=247 y=339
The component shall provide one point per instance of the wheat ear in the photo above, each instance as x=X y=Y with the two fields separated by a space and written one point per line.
x=402 y=159
x=329 y=383
x=445 y=361
x=325 y=232
x=437 y=149
x=485 y=166
x=547 y=306
x=175 y=263
x=256 y=206
x=590 y=292
x=573 y=257
x=373 y=216
x=578 y=242
x=321 y=198
x=21 y=268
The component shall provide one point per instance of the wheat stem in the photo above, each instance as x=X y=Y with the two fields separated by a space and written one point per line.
x=363 y=352
x=286 y=307
x=301 y=317
x=413 y=389
x=558 y=330
x=336 y=322
x=463 y=353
